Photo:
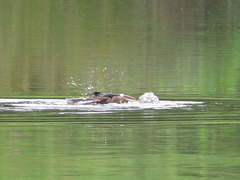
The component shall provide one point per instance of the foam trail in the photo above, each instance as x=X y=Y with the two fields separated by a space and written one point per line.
x=147 y=101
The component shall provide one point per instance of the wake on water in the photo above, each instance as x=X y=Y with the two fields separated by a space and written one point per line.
x=147 y=101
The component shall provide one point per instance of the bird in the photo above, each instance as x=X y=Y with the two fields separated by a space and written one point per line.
x=103 y=98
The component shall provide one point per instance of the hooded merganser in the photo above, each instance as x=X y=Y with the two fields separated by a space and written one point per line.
x=102 y=98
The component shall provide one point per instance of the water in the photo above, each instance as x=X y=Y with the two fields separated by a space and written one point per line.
x=171 y=48
x=186 y=52
x=61 y=104
x=171 y=139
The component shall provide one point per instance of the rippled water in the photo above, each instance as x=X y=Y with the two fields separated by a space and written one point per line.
x=186 y=52
x=170 y=139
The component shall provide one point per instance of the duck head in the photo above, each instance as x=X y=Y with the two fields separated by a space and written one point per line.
x=97 y=93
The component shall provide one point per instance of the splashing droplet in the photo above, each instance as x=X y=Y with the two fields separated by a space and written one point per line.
x=95 y=81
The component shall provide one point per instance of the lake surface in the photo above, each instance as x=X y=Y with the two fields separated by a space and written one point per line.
x=49 y=139
x=186 y=52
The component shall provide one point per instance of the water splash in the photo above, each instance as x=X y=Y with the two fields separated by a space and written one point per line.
x=24 y=105
x=104 y=80
x=148 y=97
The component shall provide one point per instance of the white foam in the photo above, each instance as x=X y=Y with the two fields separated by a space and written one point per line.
x=146 y=101
x=148 y=97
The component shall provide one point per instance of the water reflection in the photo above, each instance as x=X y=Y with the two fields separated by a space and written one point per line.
x=177 y=48
x=100 y=146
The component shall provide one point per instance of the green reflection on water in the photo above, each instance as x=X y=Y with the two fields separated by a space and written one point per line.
x=177 y=49
x=173 y=49
x=198 y=142
x=100 y=151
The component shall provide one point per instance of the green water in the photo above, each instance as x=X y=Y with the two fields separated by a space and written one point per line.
x=197 y=143
x=180 y=50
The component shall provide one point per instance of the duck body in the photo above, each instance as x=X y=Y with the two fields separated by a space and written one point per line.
x=102 y=98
